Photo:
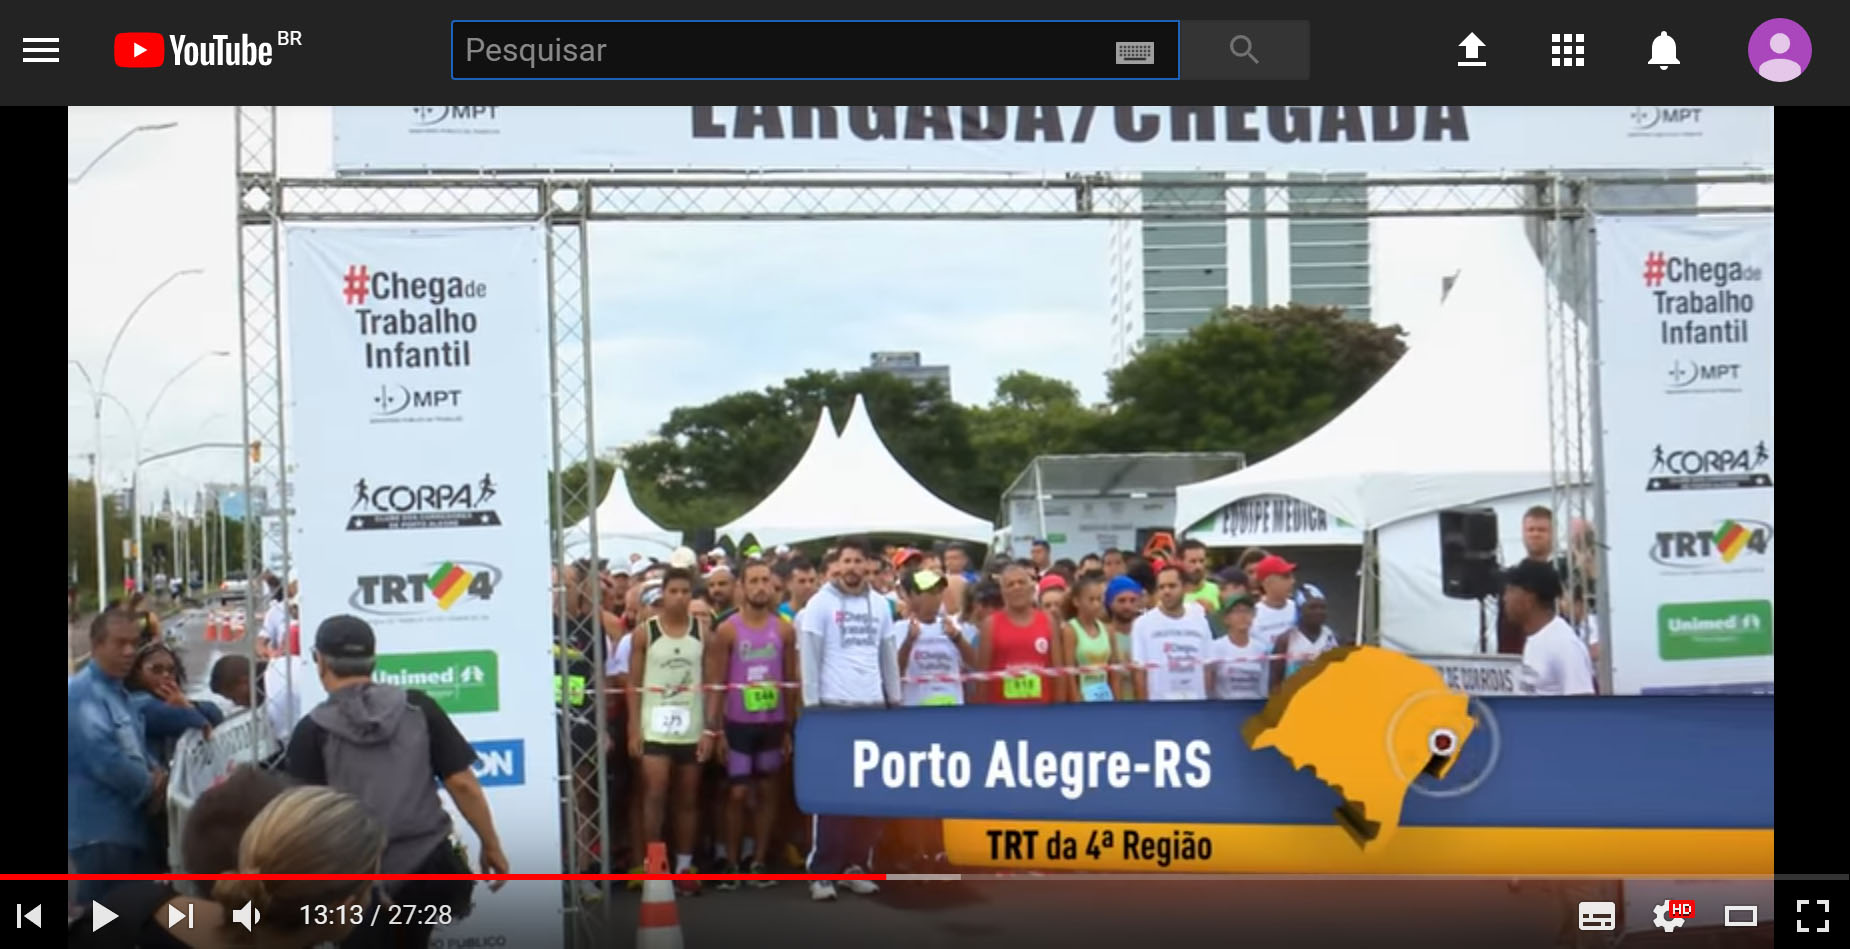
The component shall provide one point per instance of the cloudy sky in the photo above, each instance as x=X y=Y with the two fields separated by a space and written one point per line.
x=683 y=312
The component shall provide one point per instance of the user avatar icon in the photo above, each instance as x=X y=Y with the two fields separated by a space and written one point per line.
x=1779 y=50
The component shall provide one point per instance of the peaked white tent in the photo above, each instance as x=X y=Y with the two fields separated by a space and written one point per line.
x=1462 y=417
x=622 y=528
x=851 y=484
x=1462 y=420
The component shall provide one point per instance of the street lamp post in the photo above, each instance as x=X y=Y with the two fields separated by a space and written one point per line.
x=125 y=136
x=134 y=490
x=96 y=420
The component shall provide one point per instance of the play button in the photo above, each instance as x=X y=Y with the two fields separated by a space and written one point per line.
x=100 y=916
x=140 y=50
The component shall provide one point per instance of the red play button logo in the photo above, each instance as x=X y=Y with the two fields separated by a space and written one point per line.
x=136 y=50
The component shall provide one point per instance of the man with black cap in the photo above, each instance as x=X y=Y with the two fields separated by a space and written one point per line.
x=383 y=744
x=1554 y=660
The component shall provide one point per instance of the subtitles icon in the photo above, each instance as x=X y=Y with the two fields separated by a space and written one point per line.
x=1595 y=916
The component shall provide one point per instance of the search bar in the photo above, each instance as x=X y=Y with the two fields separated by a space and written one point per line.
x=814 y=50
x=1246 y=49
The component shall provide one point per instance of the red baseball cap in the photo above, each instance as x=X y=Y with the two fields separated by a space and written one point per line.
x=1272 y=565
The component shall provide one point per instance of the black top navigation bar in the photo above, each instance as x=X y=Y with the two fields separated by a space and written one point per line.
x=380 y=54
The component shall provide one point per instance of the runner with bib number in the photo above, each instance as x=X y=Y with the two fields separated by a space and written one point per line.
x=754 y=652
x=1087 y=639
x=668 y=721
x=935 y=652
x=1018 y=642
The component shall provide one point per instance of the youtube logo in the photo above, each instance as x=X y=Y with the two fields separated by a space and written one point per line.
x=140 y=50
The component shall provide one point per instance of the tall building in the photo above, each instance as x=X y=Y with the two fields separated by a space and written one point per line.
x=1168 y=276
x=909 y=366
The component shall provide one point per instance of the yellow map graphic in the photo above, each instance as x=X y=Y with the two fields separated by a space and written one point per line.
x=1367 y=722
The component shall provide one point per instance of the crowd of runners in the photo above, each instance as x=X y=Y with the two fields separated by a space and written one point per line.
x=707 y=661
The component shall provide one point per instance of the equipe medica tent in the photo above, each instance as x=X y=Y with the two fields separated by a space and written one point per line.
x=1462 y=420
x=622 y=529
x=851 y=484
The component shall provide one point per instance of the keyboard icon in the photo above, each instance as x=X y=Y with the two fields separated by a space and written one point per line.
x=1136 y=54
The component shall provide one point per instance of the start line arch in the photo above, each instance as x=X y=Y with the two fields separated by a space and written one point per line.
x=1557 y=206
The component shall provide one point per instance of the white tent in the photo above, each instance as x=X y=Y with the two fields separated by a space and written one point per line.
x=851 y=484
x=1463 y=417
x=622 y=528
x=1461 y=420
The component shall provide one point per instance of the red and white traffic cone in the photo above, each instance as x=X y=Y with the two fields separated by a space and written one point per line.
x=660 y=926
x=211 y=627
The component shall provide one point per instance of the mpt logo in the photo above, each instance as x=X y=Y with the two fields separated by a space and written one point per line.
x=1646 y=117
x=1695 y=377
x=500 y=763
x=1695 y=469
x=393 y=401
x=1731 y=546
x=401 y=506
x=443 y=586
x=428 y=115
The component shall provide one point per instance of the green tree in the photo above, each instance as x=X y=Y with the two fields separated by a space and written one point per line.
x=578 y=500
x=1248 y=380
x=80 y=542
x=711 y=463
x=1030 y=415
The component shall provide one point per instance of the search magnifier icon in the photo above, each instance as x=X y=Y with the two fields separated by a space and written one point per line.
x=1242 y=48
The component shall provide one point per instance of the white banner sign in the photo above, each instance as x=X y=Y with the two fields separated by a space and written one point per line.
x=200 y=763
x=1023 y=138
x=1685 y=337
x=1275 y=520
x=419 y=361
x=1478 y=674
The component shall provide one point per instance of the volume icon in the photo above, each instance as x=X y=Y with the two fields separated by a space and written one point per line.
x=246 y=916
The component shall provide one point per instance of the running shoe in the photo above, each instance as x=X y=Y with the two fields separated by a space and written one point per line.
x=727 y=886
x=761 y=869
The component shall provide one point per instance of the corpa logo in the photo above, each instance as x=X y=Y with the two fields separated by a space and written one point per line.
x=1733 y=546
x=400 y=506
x=436 y=591
x=500 y=763
x=1647 y=117
x=428 y=115
x=1696 y=469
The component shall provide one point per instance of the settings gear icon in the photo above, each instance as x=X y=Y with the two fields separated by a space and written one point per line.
x=1665 y=921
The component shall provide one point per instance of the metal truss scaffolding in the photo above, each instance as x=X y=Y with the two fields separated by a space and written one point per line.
x=1558 y=207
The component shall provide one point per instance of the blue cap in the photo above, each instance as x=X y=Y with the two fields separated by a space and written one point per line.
x=1120 y=585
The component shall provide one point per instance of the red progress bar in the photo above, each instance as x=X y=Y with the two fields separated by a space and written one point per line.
x=161 y=877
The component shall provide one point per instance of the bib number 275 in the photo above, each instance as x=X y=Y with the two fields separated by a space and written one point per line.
x=672 y=720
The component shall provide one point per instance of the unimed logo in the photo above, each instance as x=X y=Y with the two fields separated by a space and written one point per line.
x=500 y=763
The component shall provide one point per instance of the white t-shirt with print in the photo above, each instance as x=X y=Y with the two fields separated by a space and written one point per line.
x=1555 y=662
x=1173 y=651
x=933 y=655
x=1269 y=623
x=848 y=630
x=1240 y=672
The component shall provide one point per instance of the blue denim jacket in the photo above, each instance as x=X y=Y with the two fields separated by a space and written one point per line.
x=108 y=773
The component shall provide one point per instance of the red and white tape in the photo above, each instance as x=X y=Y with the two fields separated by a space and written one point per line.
x=1050 y=671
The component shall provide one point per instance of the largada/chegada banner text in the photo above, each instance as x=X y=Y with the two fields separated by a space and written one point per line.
x=419 y=442
x=1685 y=351
x=1048 y=139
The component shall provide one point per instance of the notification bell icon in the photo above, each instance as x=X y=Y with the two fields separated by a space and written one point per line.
x=1663 y=51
